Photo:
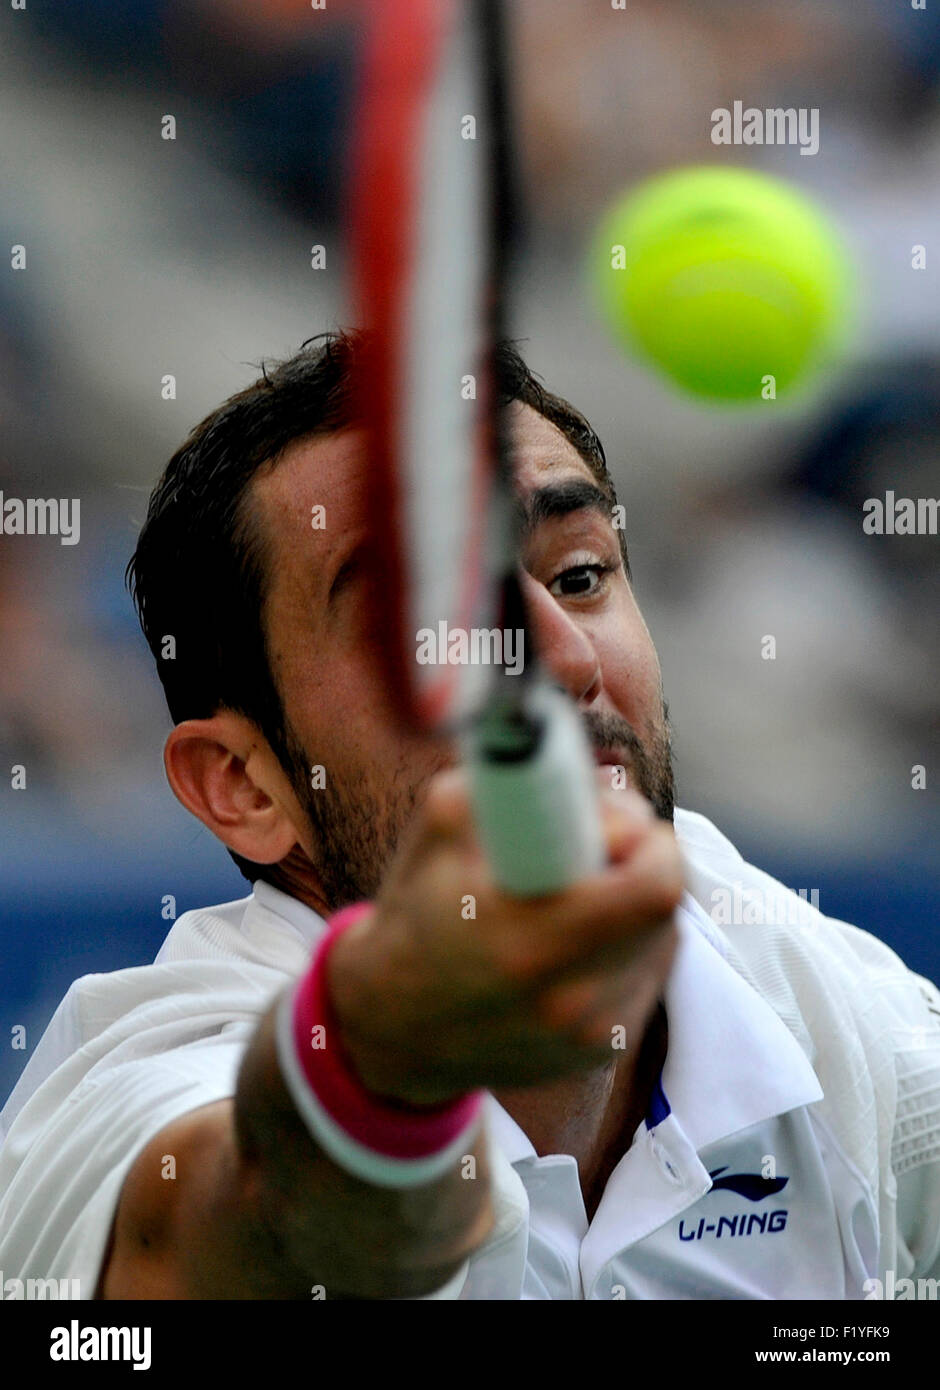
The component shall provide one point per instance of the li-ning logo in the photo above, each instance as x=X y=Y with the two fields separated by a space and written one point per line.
x=753 y=1186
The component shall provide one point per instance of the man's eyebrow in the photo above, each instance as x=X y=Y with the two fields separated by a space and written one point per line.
x=561 y=499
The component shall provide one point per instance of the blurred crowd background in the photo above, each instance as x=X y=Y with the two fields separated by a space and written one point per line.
x=191 y=257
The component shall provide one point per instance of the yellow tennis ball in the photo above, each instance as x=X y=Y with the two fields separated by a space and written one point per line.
x=731 y=282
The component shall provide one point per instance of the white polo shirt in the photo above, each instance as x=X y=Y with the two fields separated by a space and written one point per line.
x=729 y=1189
x=733 y=1187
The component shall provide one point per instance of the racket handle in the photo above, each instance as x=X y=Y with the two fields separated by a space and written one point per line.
x=534 y=793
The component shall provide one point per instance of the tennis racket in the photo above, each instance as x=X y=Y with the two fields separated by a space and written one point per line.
x=432 y=218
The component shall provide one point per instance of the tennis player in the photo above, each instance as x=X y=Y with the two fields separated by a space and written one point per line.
x=375 y=1076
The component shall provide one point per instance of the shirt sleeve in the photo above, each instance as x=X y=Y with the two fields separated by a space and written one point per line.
x=68 y=1168
x=916 y=1148
x=919 y=1222
x=126 y=1054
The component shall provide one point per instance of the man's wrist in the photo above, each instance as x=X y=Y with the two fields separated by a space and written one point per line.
x=356 y=1006
x=381 y=1139
x=359 y=999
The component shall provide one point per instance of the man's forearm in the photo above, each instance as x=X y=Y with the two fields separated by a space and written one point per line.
x=302 y=1221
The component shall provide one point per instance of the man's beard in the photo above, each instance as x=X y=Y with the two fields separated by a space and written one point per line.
x=649 y=765
x=357 y=832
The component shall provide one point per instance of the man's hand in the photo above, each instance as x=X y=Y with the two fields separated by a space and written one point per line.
x=451 y=985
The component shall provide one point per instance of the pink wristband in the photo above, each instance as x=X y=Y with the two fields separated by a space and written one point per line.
x=387 y=1142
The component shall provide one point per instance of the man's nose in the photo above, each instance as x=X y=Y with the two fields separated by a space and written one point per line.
x=562 y=646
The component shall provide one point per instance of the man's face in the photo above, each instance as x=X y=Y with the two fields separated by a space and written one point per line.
x=585 y=625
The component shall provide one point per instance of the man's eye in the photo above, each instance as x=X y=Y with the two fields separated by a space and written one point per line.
x=578 y=581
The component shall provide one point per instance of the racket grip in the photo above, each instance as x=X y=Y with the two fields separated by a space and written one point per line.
x=535 y=798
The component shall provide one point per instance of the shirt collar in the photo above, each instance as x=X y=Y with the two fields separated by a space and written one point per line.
x=511 y=1137
x=730 y=1061
x=273 y=909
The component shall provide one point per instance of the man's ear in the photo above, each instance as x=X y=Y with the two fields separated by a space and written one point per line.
x=223 y=770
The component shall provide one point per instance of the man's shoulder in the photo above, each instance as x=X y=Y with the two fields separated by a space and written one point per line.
x=696 y=832
x=836 y=986
x=215 y=974
x=869 y=1025
x=212 y=960
x=755 y=911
